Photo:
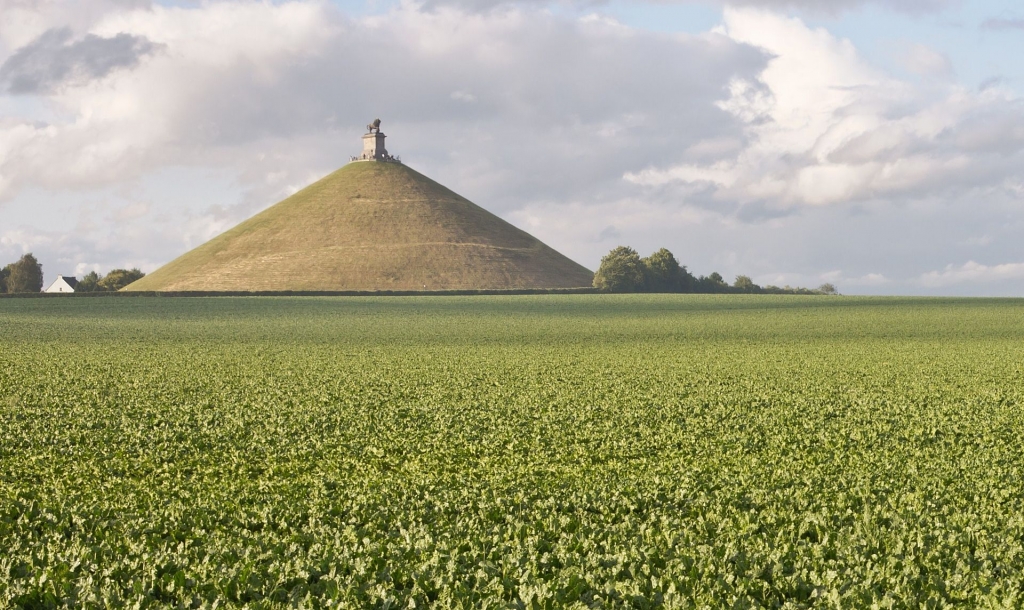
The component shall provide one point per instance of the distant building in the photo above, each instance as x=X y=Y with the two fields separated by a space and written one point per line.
x=63 y=284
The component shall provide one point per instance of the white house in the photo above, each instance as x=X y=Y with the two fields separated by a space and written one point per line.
x=63 y=284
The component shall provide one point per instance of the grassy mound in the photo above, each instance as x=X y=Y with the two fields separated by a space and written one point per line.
x=370 y=226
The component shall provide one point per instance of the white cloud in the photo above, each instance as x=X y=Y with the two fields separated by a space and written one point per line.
x=54 y=59
x=867 y=280
x=979 y=240
x=974 y=273
x=176 y=106
x=870 y=279
x=830 y=7
x=297 y=67
x=515 y=108
x=130 y=212
x=925 y=61
x=837 y=6
x=17 y=242
x=843 y=281
x=763 y=145
x=825 y=127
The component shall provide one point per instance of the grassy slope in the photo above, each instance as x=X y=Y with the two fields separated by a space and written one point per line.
x=709 y=451
x=370 y=226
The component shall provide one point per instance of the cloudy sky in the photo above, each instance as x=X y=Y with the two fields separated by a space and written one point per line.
x=876 y=145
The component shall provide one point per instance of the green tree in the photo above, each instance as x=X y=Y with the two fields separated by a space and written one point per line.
x=687 y=282
x=743 y=283
x=4 y=273
x=119 y=278
x=663 y=273
x=621 y=270
x=711 y=283
x=828 y=289
x=26 y=275
x=89 y=283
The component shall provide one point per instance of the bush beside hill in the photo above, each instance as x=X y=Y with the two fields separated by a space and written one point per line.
x=623 y=270
x=112 y=282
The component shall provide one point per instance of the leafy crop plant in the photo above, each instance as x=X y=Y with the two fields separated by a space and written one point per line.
x=561 y=451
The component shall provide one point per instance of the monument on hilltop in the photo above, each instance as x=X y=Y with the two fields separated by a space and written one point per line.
x=375 y=225
x=373 y=145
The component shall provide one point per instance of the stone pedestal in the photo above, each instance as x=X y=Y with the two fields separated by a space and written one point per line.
x=373 y=147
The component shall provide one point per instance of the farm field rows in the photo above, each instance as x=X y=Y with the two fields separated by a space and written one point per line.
x=554 y=451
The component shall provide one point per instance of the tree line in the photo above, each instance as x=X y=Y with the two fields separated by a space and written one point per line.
x=26 y=275
x=113 y=281
x=622 y=270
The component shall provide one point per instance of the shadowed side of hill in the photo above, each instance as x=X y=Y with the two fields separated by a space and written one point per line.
x=370 y=226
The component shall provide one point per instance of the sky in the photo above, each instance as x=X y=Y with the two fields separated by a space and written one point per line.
x=875 y=145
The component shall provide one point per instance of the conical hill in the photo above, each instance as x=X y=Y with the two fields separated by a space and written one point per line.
x=370 y=226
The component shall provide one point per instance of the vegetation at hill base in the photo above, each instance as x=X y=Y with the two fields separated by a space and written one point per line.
x=24 y=275
x=622 y=270
x=588 y=451
x=113 y=281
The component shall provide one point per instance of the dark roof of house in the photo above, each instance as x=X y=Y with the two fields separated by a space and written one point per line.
x=70 y=281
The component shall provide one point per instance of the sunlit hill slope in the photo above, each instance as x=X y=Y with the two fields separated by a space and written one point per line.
x=370 y=226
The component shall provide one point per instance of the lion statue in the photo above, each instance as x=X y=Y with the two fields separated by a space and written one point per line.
x=374 y=126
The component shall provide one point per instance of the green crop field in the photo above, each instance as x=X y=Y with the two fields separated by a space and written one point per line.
x=512 y=452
